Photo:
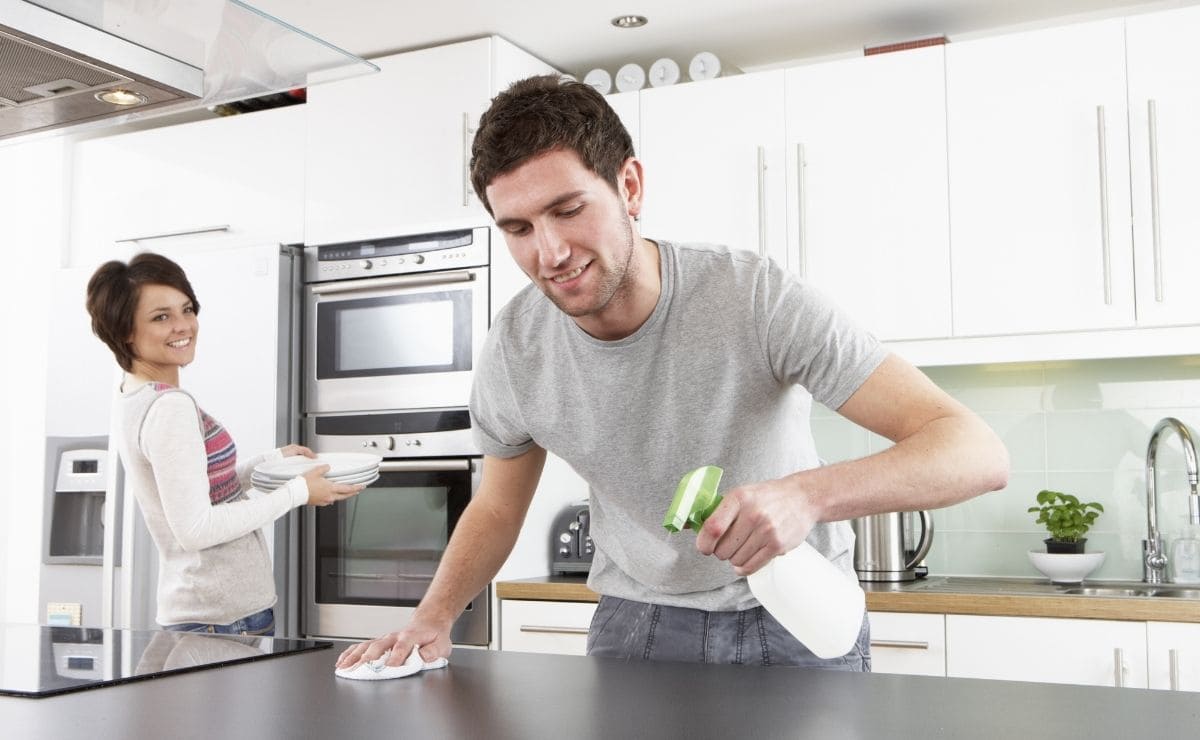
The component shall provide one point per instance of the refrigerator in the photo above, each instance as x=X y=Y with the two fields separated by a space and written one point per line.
x=245 y=375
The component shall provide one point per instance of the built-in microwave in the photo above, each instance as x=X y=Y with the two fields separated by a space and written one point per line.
x=394 y=323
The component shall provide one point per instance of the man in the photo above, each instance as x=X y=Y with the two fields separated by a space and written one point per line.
x=637 y=361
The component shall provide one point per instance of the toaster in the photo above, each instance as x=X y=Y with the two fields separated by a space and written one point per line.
x=571 y=541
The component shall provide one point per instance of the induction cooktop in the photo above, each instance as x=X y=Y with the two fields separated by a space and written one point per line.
x=37 y=661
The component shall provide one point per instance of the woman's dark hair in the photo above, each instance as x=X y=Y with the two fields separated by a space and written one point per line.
x=113 y=293
x=543 y=113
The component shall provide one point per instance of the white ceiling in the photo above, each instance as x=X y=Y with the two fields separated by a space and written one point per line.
x=576 y=35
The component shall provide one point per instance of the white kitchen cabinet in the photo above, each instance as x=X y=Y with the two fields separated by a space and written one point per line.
x=714 y=164
x=912 y=644
x=1164 y=115
x=240 y=179
x=389 y=153
x=1039 y=181
x=627 y=106
x=545 y=626
x=868 y=206
x=1173 y=655
x=1076 y=651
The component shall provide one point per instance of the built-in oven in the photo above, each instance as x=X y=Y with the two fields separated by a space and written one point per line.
x=368 y=561
x=394 y=323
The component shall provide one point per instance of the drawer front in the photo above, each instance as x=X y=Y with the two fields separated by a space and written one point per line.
x=912 y=644
x=545 y=626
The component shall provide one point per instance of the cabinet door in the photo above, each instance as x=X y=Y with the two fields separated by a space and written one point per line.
x=1039 y=172
x=1174 y=655
x=912 y=644
x=868 y=214
x=545 y=626
x=388 y=153
x=1164 y=115
x=713 y=156
x=240 y=178
x=1076 y=651
x=627 y=106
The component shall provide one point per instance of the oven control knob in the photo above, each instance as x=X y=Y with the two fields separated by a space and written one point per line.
x=564 y=551
x=564 y=538
x=412 y=443
x=365 y=264
x=370 y=443
x=419 y=259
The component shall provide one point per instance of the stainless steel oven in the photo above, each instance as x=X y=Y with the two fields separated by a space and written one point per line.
x=394 y=323
x=367 y=562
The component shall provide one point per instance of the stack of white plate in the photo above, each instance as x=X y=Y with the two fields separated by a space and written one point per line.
x=344 y=467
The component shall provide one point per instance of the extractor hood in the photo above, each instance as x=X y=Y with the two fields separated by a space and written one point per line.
x=76 y=63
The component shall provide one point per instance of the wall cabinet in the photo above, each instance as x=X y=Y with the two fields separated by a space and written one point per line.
x=1039 y=172
x=240 y=178
x=1164 y=115
x=912 y=644
x=1174 y=656
x=545 y=626
x=713 y=156
x=1076 y=651
x=389 y=153
x=868 y=208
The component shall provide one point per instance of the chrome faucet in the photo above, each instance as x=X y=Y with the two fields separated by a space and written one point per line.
x=1154 y=555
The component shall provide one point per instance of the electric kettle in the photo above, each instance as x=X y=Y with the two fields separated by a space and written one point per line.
x=880 y=550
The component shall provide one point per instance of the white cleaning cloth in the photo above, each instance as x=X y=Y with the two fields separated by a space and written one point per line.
x=378 y=670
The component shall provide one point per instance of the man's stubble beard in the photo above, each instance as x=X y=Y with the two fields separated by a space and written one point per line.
x=614 y=285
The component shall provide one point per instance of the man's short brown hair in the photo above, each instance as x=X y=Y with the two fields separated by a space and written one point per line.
x=113 y=293
x=541 y=114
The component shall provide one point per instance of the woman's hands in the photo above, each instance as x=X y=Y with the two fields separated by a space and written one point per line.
x=297 y=450
x=322 y=491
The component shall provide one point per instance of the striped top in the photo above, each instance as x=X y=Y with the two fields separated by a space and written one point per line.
x=223 y=484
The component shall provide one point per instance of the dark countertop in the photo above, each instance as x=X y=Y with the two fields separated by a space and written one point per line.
x=521 y=695
x=1015 y=597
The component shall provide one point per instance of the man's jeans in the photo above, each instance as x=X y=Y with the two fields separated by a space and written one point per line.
x=636 y=631
x=259 y=623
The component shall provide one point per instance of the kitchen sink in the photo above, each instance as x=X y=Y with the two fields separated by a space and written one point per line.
x=1042 y=587
x=1135 y=591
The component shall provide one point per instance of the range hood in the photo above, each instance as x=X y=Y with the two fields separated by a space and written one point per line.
x=85 y=63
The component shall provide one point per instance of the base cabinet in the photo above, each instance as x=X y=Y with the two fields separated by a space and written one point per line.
x=545 y=626
x=1090 y=652
x=911 y=644
x=1173 y=656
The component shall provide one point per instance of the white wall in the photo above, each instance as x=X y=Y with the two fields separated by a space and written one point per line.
x=32 y=209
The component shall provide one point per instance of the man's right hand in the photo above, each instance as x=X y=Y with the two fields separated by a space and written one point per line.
x=434 y=641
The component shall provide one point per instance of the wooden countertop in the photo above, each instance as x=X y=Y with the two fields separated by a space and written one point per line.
x=1013 y=597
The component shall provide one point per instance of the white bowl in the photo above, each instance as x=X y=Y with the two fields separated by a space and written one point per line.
x=1066 y=567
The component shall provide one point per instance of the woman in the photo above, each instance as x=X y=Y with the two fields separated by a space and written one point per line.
x=214 y=570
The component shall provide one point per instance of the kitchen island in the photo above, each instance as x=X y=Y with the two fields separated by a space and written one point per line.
x=484 y=694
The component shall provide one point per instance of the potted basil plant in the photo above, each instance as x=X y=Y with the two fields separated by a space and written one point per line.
x=1066 y=519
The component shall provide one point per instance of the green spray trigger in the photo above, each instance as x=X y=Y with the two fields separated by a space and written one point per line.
x=695 y=499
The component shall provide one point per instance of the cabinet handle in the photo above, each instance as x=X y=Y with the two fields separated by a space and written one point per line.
x=1101 y=138
x=548 y=630
x=802 y=211
x=468 y=134
x=169 y=234
x=903 y=644
x=1152 y=116
x=1173 y=656
x=762 y=202
x=1118 y=667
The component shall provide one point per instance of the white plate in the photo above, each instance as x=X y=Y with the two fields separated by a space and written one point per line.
x=271 y=487
x=262 y=482
x=340 y=463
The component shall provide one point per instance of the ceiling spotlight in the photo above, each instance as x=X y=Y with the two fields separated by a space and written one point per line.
x=121 y=97
x=629 y=21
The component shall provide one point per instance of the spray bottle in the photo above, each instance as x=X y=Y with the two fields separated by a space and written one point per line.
x=820 y=605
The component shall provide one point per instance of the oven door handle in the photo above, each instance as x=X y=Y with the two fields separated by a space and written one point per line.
x=421 y=466
x=402 y=281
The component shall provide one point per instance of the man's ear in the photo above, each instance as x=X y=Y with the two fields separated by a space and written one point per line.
x=631 y=183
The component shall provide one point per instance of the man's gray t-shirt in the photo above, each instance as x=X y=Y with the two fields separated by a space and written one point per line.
x=720 y=374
